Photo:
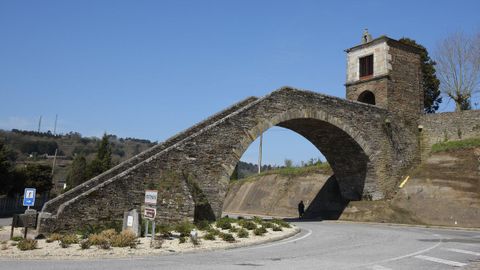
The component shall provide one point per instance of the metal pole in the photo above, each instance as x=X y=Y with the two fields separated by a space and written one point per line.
x=55 y=127
x=39 y=123
x=260 y=154
x=54 y=161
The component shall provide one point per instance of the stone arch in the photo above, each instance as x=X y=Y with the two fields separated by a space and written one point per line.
x=343 y=146
x=367 y=97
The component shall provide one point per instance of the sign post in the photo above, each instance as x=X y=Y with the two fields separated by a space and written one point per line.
x=150 y=212
x=29 y=197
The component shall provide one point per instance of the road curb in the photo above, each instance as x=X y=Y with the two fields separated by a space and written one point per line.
x=404 y=225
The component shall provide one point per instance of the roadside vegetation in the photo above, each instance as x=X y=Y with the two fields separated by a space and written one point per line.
x=455 y=145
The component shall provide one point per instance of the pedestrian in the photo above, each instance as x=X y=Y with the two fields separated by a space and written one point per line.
x=301 y=209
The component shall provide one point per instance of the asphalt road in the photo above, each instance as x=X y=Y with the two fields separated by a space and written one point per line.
x=320 y=245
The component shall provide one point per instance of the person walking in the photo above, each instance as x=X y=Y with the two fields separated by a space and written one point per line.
x=301 y=209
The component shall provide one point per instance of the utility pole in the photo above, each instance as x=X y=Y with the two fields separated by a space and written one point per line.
x=55 y=127
x=54 y=161
x=39 y=124
x=260 y=154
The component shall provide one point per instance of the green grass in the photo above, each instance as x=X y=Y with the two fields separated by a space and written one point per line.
x=454 y=145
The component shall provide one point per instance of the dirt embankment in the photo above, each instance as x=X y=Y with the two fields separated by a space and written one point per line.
x=443 y=190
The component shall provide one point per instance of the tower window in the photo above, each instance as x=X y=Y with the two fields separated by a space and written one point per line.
x=366 y=66
x=367 y=97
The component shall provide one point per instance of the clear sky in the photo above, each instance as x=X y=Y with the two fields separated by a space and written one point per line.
x=149 y=69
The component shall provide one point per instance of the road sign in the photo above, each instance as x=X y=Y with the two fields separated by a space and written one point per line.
x=150 y=212
x=29 y=197
x=151 y=197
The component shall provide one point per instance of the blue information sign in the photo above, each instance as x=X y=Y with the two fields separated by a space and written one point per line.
x=29 y=197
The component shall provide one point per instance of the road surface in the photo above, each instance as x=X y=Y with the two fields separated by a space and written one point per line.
x=320 y=245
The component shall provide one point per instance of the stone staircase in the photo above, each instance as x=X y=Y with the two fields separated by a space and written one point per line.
x=52 y=206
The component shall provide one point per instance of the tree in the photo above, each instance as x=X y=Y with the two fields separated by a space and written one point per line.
x=103 y=159
x=6 y=169
x=430 y=82
x=458 y=58
x=34 y=175
x=77 y=173
x=288 y=163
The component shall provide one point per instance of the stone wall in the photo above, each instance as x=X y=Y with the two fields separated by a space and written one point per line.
x=448 y=126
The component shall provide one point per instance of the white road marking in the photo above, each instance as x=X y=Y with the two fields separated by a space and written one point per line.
x=379 y=267
x=275 y=244
x=438 y=260
x=463 y=251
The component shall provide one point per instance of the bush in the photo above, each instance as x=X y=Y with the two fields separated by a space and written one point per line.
x=277 y=228
x=97 y=239
x=267 y=224
x=182 y=239
x=108 y=234
x=17 y=238
x=54 y=237
x=257 y=220
x=228 y=237
x=260 y=231
x=234 y=229
x=104 y=245
x=214 y=231
x=69 y=239
x=124 y=239
x=247 y=224
x=242 y=233
x=224 y=223
x=164 y=229
x=85 y=244
x=209 y=236
x=184 y=228
x=27 y=244
x=203 y=225
x=281 y=223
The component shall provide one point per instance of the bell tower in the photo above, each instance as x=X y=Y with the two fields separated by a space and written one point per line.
x=386 y=73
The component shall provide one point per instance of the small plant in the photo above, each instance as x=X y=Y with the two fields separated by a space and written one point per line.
x=109 y=233
x=64 y=244
x=54 y=237
x=97 y=239
x=184 y=228
x=165 y=229
x=267 y=224
x=157 y=242
x=277 y=228
x=104 y=245
x=234 y=229
x=228 y=237
x=17 y=238
x=203 y=225
x=69 y=239
x=224 y=223
x=124 y=239
x=182 y=239
x=214 y=231
x=242 y=233
x=257 y=220
x=249 y=225
x=260 y=231
x=209 y=236
x=281 y=223
x=85 y=244
x=27 y=244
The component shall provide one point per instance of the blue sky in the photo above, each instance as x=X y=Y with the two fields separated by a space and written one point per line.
x=148 y=69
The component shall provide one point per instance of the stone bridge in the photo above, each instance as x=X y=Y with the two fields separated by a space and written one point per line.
x=368 y=147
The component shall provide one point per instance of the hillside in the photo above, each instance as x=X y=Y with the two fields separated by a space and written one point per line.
x=39 y=147
x=443 y=190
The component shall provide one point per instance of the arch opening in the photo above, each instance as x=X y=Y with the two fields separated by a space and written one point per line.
x=367 y=97
x=348 y=162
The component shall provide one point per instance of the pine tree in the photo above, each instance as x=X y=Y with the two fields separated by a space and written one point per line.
x=103 y=159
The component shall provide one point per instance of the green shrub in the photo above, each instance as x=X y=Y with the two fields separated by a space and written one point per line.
x=214 y=231
x=182 y=239
x=453 y=145
x=27 y=244
x=85 y=244
x=164 y=229
x=184 y=228
x=257 y=220
x=234 y=229
x=228 y=237
x=277 y=228
x=267 y=224
x=203 y=225
x=17 y=238
x=247 y=224
x=124 y=239
x=224 y=223
x=242 y=233
x=209 y=236
x=260 y=231
x=281 y=223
